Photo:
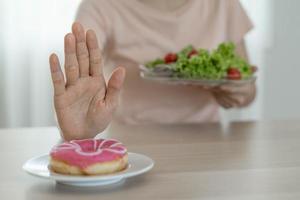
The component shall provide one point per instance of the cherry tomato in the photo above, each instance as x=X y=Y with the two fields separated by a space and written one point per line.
x=170 y=58
x=234 y=74
x=193 y=53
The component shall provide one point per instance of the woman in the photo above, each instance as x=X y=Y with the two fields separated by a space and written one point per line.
x=133 y=32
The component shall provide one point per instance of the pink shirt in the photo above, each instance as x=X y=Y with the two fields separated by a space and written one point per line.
x=131 y=33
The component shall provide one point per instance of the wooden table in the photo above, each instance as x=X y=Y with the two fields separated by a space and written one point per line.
x=244 y=161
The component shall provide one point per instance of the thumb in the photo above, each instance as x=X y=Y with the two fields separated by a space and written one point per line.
x=114 y=86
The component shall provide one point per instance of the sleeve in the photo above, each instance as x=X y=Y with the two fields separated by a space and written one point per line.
x=91 y=17
x=238 y=22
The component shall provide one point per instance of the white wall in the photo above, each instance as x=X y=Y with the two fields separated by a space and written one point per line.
x=30 y=30
x=258 y=41
x=274 y=45
x=282 y=74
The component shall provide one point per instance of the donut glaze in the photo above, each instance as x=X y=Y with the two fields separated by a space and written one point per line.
x=84 y=153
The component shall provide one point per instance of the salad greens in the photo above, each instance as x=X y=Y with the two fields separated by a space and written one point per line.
x=203 y=64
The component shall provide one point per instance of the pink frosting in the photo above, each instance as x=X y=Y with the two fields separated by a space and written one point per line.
x=83 y=153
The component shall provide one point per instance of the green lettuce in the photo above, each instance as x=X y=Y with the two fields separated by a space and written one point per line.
x=207 y=64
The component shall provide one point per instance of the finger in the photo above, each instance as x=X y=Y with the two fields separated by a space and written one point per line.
x=228 y=103
x=81 y=49
x=216 y=90
x=114 y=86
x=235 y=89
x=238 y=100
x=57 y=75
x=71 y=63
x=223 y=103
x=223 y=100
x=95 y=54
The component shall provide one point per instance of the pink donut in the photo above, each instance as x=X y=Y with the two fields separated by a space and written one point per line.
x=89 y=157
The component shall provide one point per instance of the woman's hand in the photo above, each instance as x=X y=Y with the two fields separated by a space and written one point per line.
x=84 y=103
x=235 y=96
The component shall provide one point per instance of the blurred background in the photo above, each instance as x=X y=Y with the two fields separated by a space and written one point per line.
x=32 y=29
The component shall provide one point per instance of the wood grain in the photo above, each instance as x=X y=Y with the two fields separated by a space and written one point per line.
x=243 y=161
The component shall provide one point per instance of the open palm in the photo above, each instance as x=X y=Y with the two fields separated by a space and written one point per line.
x=84 y=103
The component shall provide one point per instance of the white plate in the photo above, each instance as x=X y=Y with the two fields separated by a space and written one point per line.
x=137 y=164
x=164 y=77
x=200 y=82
